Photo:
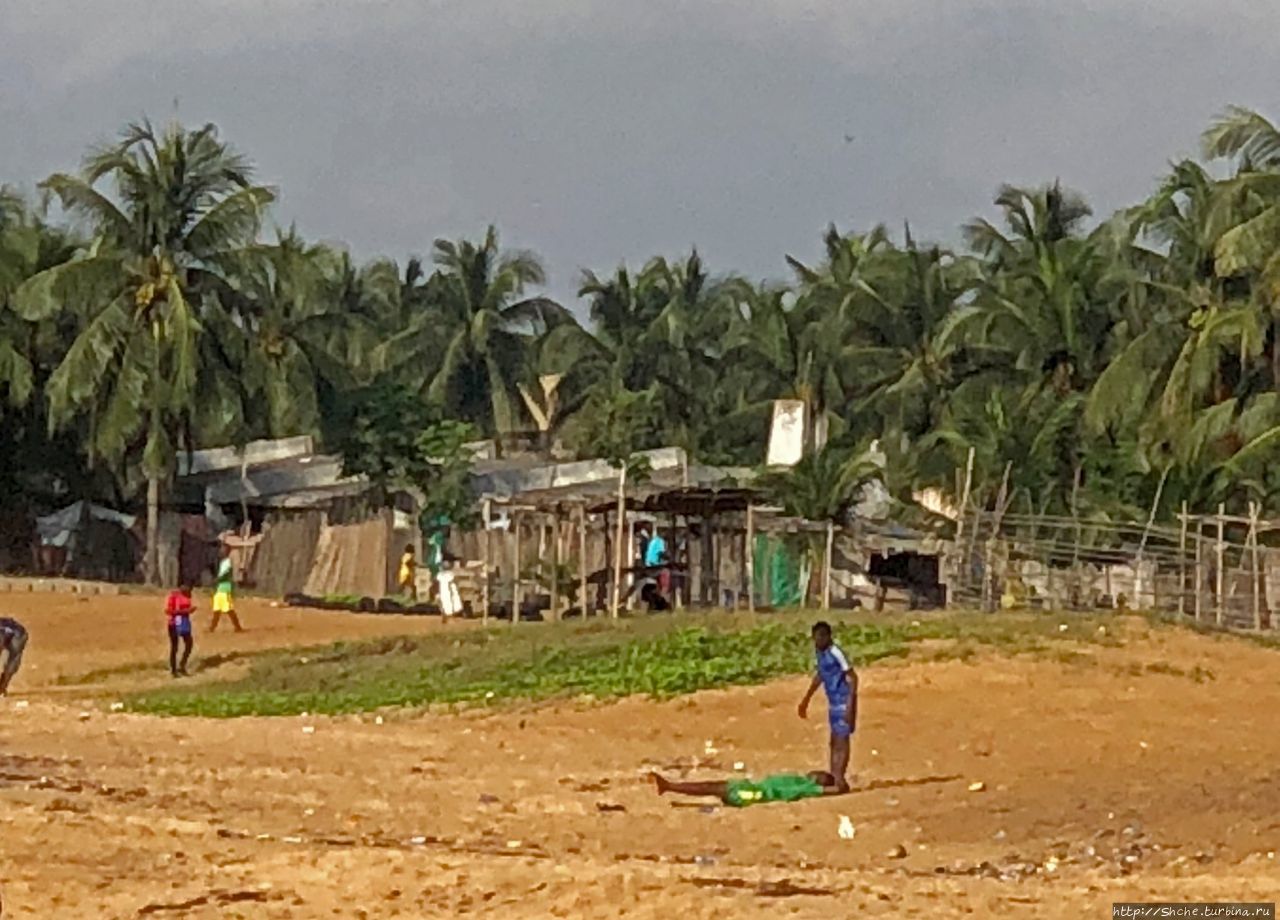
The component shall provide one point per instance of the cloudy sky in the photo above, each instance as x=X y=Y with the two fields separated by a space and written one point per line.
x=595 y=131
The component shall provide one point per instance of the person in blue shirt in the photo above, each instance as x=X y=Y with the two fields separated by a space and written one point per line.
x=840 y=682
x=655 y=555
x=655 y=551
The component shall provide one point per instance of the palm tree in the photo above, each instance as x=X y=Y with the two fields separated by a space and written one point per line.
x=31 y=461
x=20 y=239
x=905 y=374
x=1207 y=319
x=810 y=339
x=300 y=326
x=1037 y=304
x=655 y=329
x=180 y=206
x=472 y=328
x=822 y=486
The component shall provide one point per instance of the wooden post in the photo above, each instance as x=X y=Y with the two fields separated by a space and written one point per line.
x=1222 y=555
x=630 y=557
x=1142 y=547
x=989 y=599
x=679 y=580
x=1255 y=568
x=555 y=565
x=740 y=563
x=486 y=557
x=826 y=566
x=714 y=542
x=1182 y=562
x=1075 y=548
x=515 y=570
x=751 y=558
x=617 y=548
x=582 y=559
x=1199 y=569
x=961 y=564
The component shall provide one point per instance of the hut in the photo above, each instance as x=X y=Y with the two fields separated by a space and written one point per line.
x=294 y=521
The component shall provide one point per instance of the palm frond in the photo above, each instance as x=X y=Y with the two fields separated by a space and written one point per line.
x=1242 y=133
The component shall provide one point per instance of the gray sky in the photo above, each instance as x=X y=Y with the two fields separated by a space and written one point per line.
x=594 y=131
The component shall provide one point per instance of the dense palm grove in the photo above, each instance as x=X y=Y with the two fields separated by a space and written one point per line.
x=1103 y=363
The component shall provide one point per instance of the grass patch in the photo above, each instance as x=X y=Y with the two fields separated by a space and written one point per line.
x=498 y=665
x=657 y=656
x=1198 y=674
x=152 y=667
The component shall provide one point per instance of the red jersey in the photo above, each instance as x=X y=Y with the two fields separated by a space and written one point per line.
x=177 y=606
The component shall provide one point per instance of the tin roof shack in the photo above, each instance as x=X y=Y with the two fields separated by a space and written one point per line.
x=295 y=523
x=85 y=540
x=549 y=535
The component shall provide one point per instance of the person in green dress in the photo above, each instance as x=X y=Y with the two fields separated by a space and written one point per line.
x=739 y=793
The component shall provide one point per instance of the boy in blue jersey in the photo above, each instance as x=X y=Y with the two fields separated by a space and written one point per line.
x=840 y=682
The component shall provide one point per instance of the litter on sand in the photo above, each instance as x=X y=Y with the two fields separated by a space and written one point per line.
x=846 y=830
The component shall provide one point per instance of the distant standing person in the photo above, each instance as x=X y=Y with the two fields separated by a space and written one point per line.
x=178 y=610
x=655 y=555
x=409 y=573
x=223 y=593
x=13 y=639
x=833 y=674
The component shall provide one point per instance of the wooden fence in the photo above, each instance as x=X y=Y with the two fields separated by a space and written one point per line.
x=1216 y=569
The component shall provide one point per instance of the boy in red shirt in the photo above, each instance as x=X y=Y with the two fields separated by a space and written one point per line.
x=177 y=611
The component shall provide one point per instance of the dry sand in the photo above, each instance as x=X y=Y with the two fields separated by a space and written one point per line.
x=1098 y=785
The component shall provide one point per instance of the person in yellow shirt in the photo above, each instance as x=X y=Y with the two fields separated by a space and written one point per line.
x=409 y=573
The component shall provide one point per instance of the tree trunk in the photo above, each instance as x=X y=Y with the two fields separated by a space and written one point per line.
x=152 y=562
x=1275 y=354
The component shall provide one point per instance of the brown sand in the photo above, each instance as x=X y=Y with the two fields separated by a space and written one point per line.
x=1098 y=785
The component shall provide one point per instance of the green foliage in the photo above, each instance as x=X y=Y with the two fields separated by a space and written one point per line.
x=402 y=443
x=1100 y=365
x=823 y=485
x=659 y=656
x=616 y=423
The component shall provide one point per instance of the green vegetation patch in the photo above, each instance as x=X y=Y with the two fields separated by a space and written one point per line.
x=659 y=657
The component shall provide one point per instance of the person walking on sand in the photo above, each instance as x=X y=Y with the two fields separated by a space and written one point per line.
x=13 y=640
x=833 y=674
x=739 y=793
x=178 y=611
x=223 y=593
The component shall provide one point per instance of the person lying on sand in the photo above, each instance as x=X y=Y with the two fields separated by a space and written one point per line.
x=739 y=793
